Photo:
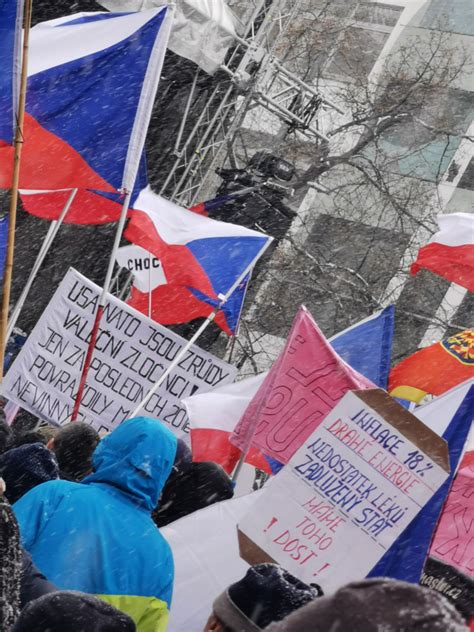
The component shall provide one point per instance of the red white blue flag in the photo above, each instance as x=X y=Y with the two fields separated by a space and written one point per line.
x=92 y=79
x=202 y=260
x=450 y=252
x=11 y=16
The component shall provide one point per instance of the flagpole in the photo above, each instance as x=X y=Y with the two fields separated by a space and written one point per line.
x=223 y=299
x=150 y=256
x=8 y=270
x=47 y=243
x=101 y=305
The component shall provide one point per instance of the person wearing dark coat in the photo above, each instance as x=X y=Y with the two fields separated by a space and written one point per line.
x=33 y=583
x=26 y=467
x=74 y=445
x=5 y=433
x=376 y=605
x=267 y=593
x=192 y=486
x=19 y=577
x=68 y=611
x=10 y=564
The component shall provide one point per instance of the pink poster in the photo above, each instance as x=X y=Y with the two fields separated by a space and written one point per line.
x=453 y=543
x=305 y=383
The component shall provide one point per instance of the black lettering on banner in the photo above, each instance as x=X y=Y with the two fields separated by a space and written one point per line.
x=176 y=417
x=83 y=296
x=156 y=405
x=121 y=414
x=55 y=343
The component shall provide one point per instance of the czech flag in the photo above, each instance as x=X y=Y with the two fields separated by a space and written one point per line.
x=92 y=79
x=434 y=369
x=202 y=260
x=11 y=18
x=450 y=252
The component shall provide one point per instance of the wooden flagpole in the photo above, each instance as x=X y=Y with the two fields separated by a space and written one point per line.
x=7 y=275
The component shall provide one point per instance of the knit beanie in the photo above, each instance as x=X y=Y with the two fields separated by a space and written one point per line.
x=69 y=611
x=26 y=467
x=374 y=605
x=267 y=593
x=183 y=453
x=190 y=487
x=10 y=566
x=74 y=446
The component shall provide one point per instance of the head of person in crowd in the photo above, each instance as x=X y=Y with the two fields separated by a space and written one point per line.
x=72 y=612
x=374 y=605
x=5 y=433
x=26 y=467
x=183 y=453
x=47 y=431
x=24 y=422
x=26 y=438
x=10 y=563
x=74 y=445
x=190 y=487
x=267 y=593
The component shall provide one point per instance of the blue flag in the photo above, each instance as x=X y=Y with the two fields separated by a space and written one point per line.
x=405 y=559
x=367 y=346
x=11 y=16
x=3 y=242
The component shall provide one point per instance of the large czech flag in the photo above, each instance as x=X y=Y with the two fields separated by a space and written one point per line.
x=92 y=79
x=11 y=16
x=202 y=260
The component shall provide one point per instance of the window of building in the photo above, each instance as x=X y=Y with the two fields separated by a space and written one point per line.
x=364 y=31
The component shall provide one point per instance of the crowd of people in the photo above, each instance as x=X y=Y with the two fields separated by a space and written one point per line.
x=81 y=548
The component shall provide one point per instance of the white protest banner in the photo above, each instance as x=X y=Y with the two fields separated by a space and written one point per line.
x=347 y=493
x=131 y=353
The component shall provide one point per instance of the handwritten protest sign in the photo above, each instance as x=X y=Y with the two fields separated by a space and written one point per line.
x=450 y=567
x=304 y=384
x=348 y=492
x=131 y=353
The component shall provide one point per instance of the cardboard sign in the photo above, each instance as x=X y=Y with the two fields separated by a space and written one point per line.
x=347 y=493
x=131 y=353
x=450 y=567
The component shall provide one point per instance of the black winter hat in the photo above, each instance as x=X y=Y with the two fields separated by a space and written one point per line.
x=267 y=593
x=373 y=605
x=72 y=612
x=190 y=487
x=25 y=467
x=183 y=454
x=74 y=446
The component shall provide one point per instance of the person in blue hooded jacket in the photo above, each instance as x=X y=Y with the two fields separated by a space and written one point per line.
x=97 y=536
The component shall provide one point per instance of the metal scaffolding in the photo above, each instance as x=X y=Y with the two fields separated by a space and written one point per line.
x=251 y=77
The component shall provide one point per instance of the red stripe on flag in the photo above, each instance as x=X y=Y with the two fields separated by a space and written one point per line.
x=47 y=158
x=209 y=444
x=86 y=208
x=454 y=263
x=174 y=305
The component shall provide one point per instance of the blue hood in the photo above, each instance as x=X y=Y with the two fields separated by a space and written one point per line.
x=135 y=458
